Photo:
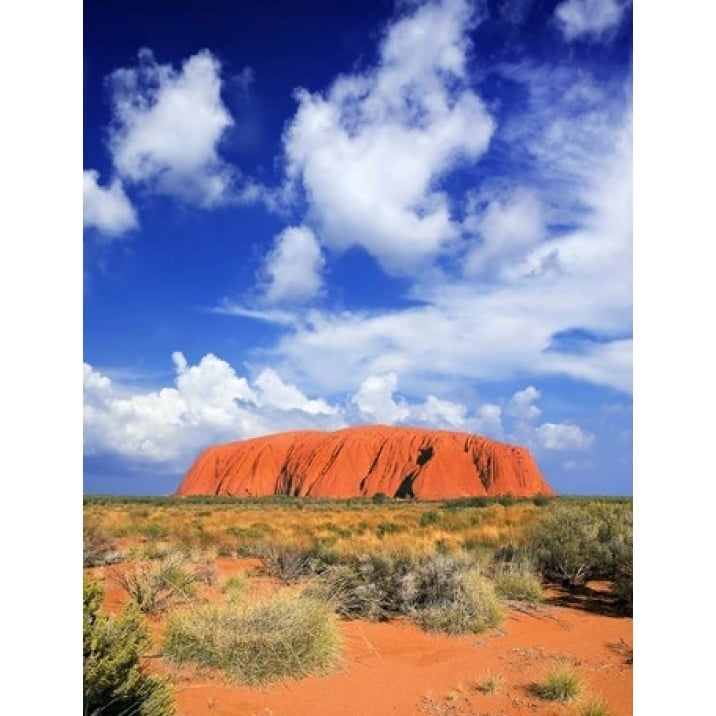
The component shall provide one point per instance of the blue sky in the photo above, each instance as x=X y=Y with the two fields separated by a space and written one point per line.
x=324 y=214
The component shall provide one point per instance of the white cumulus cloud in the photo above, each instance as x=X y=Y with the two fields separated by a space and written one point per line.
x=167 y=125
x=106 y=209
x=369 y=151
x=374 y=399
x=563 y=436
x=589 y=18
x=522 y=404
x=506 y=229
x=293 y=267
x=207 y=403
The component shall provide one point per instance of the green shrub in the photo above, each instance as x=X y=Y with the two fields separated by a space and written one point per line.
x=378 y=586
x=284 y=636
x=113 y=683
x=350 y=593
x=431 y=517
x=380 y=498
x=389 y=528
x=154 y=587
x=560 y=684
x=576 y=542
x=519 y=583
x=473 y=607
x=98 y=548
x=593 y=706
x=234 y=587
x=290 y=564
x=490 y=684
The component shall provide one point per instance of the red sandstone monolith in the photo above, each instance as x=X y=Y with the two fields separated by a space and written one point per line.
x=364 y=461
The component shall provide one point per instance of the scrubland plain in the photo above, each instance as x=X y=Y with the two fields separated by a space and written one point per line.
x=293 y=606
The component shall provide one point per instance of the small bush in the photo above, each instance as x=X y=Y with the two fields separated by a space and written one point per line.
x=234 y=587
x=519 y=583
x=490 y=684
x=473 y=607
x=575 y=542
x=593 y=706
x=376 y=587
x=431 y=517
x=560 y=684
x=98 y=548
x=389 y=528
x=284 y=636
x=113 y=683
x=154 y=587
x=380 y=498
x=350 y=593
x=291 y=564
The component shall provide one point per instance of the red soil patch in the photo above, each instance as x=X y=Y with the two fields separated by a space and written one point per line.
x=365 y=461
x=396 y=669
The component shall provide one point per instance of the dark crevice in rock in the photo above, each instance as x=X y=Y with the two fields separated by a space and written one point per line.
x=406 y=486
x=424 y=455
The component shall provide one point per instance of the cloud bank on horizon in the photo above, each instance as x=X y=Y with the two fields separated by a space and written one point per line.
x=438 y=233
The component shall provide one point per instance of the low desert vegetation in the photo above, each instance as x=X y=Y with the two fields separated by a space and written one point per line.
x=155 y=587
x=441 y=593
x=490 y=684
x=561 y=683
x=576 y=542
x=592 y=706
x=234 y=587
x=99 y=548
x=113 y=682
x=473 y=606
x=518 y=582
x=284 y=636
x=452 y=567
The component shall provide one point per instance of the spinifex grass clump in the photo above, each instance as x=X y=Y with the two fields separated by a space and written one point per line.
x=593 y=706
x=473 y=606
x=378 y=586
x=518 y=582
x=560 y=684
x=285 y=636
x=154 y=587
x=490 y=684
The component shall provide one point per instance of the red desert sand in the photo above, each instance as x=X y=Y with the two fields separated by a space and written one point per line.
x=396 y=669
x=366 y=461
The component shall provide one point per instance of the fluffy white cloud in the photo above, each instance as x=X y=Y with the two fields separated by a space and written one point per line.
x=369 y=151
x=275 y=392
x=207 y=403
x=501 y=322
x=549 y=436
x=376 y=401
x=167 y=125
x=106 y=209
x=506 y=229
x=589 y=18
x=563 y=436
x=293 y=267
x=522 y=405
x=488 y=421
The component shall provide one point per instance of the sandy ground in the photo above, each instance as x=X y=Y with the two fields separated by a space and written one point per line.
x=396 y=669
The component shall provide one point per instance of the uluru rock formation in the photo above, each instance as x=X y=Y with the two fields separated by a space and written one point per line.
x=365 y=461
